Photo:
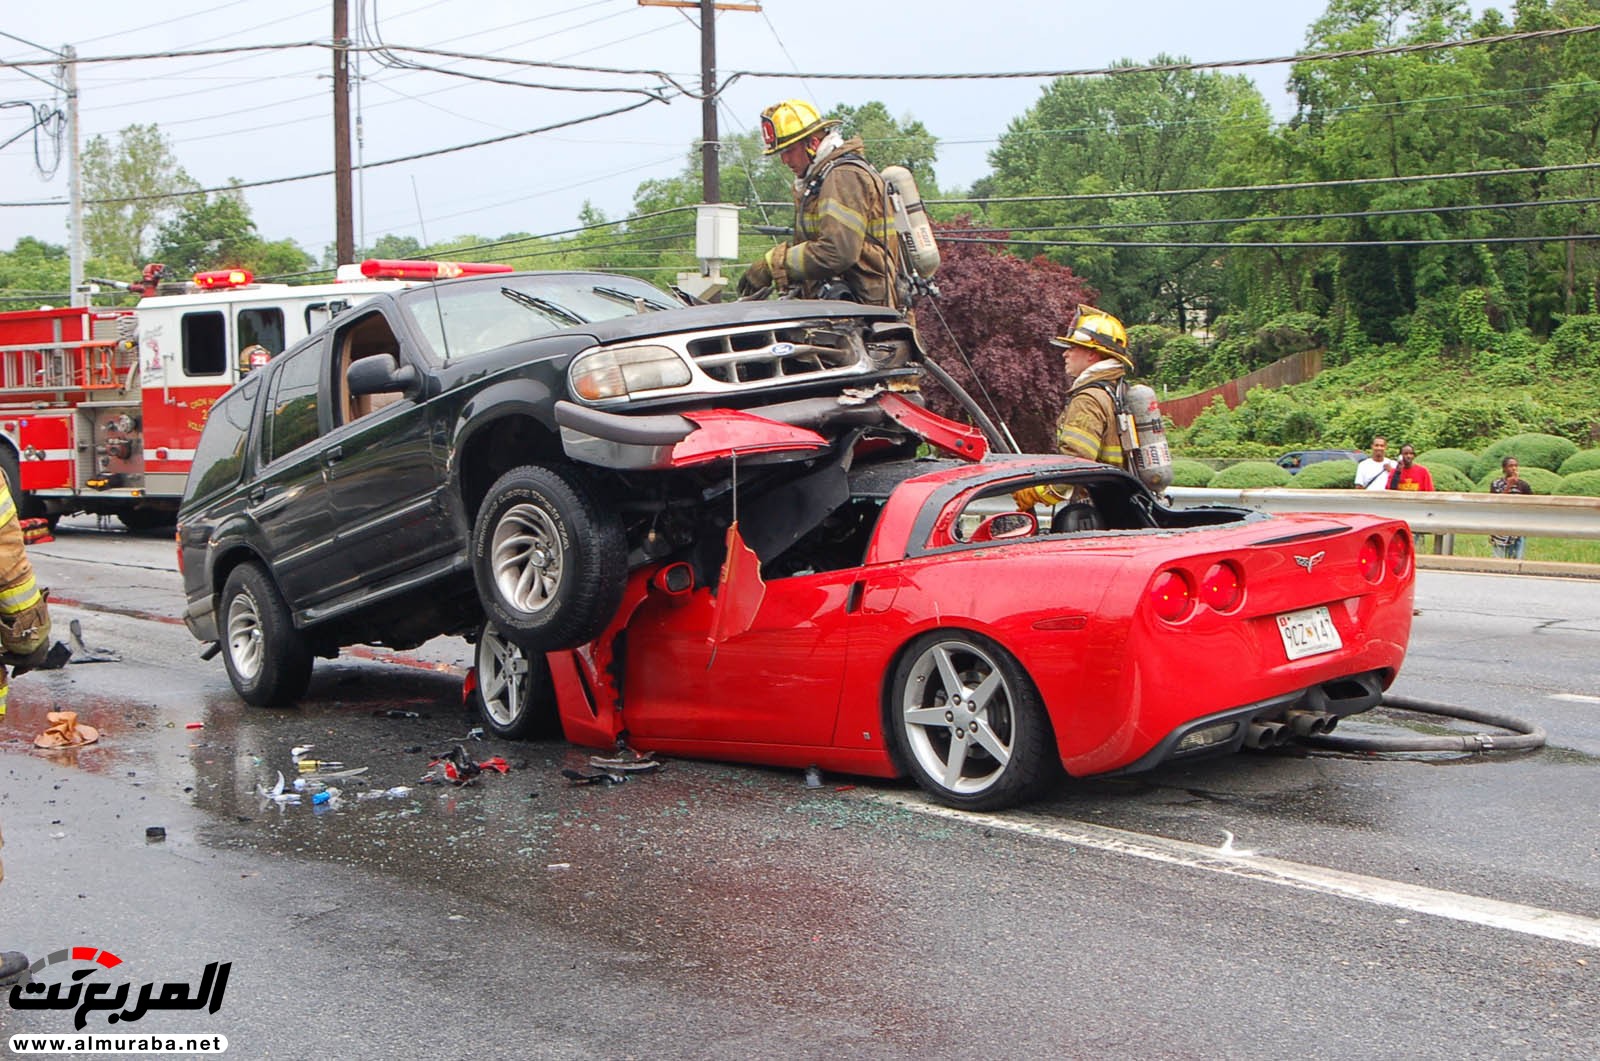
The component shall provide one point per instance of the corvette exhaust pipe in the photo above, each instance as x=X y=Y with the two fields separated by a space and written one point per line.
x=1265 y=734
x=1309 y=723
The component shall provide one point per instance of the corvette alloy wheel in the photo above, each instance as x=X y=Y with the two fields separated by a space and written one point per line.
x=968 y=722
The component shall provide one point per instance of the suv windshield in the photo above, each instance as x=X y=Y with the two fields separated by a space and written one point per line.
x=465 y=319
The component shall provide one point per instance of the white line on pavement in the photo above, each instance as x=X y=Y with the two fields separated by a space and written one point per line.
x=1514 y=917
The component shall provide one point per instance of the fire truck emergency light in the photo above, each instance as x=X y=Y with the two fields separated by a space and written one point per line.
x=221 y=279
x=398 y=269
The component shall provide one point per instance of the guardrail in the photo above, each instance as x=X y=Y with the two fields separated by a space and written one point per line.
x=1430 y=513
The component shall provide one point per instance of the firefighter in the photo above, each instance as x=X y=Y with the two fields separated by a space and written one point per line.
x=843 y=245
x=1095 y=352
x=24 y=615
x=24 y=632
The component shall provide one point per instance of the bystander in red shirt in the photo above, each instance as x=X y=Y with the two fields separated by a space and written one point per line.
x=1408 y=474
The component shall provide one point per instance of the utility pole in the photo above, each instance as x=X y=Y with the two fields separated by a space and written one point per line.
x=69 y=64
x=710 y=145
x=344 y=221
x=716 y=225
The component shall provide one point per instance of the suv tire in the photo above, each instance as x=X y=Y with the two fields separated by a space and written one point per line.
x=268 y=661
x=550 y=563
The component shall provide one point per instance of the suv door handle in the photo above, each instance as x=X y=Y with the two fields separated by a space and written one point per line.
x=333 y=454
x=257 y=495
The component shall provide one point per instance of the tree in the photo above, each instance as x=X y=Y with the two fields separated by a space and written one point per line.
x=990 y=329
x=130 y=187
x=217 y=232
x=1136 y=132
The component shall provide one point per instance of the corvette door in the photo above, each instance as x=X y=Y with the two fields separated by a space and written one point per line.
x=778 y=682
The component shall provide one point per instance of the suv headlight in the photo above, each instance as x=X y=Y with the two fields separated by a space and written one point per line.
x=621 y=372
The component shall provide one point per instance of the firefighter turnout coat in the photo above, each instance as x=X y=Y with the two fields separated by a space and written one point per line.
x=24 y=615
x=842 y=231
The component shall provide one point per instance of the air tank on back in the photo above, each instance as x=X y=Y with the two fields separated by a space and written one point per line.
x=911 y=221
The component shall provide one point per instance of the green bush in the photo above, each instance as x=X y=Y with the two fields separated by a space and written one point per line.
x=1472 y=420
x=1583 y=484
x=1178 y=361
x=1448 y=477
x=1531 y=451
x=1459 y=459
x=1326 y=475
x=1187 y=472
x=1542 y=480
x=1576 y=343
x=1250 y=475
x=1585 y=460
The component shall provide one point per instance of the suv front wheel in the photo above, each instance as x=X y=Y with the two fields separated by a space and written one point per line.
x=550 y=563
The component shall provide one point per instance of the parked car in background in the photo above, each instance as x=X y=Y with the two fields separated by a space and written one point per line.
x=1297 y=459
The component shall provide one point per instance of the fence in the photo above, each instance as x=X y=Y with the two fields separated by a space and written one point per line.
x=1429 y=513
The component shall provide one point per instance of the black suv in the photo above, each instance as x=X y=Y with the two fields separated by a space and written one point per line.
x=502 y=449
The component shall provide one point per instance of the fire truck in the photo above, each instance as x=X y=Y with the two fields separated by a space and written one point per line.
x=100 y=408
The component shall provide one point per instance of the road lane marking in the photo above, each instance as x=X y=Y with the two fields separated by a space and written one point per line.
x=1576 y=698
x=1514 y=917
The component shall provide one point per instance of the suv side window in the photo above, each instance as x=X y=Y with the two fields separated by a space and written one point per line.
x=292 y=415
x=219 y=457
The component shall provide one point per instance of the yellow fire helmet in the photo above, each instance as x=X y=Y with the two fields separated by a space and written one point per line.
x=1098 y=331
x=789 y=122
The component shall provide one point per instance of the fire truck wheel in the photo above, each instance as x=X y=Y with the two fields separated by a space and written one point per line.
x=268 y=661
x=550 y=562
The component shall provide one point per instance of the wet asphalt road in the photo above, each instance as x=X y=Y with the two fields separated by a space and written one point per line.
x=718 y=910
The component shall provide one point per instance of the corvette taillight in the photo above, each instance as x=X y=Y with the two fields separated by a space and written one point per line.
x=1371 y=559
x=1400 y=554
x=1222 y=588
x=1172 y=596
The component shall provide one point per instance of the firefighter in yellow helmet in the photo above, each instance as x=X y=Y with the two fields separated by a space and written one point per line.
x=1095 y=352
x=24 y=615
x=844 y=243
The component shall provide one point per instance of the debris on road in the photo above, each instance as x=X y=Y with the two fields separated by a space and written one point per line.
x=81 y=653
x=155 y=833
x=277 y=794
x=626 y=761
x=65 y=732
x=578 y=777
x=456 y=767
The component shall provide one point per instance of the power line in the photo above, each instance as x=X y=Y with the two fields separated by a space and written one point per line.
x=438 y=249
x=1291 y=245
x=1161 y=68
x=370 y=165
x=1397 y=212
x=1284 y=187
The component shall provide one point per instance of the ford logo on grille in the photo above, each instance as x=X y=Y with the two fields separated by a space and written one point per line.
x=781 y=349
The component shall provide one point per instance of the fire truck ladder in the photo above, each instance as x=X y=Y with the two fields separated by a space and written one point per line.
x=41 y=368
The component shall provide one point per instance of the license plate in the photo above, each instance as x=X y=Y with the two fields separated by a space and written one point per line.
x=1309 y=632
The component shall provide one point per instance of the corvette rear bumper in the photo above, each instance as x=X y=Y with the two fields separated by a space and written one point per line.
x=1267 y=722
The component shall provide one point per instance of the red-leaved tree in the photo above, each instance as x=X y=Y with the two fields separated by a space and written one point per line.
x=995 y=316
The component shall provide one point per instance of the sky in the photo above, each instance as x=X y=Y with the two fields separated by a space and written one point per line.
x=268 y=115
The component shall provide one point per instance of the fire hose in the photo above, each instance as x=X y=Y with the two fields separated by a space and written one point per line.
x=1524 y=735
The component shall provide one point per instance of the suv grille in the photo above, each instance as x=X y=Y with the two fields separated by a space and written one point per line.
x=775 y=353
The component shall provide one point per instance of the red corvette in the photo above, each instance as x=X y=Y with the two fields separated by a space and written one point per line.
x=902 y=617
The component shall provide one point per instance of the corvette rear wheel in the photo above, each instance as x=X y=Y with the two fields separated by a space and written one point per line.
x=513 y=696
x=967 y=723
x=550 y=562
